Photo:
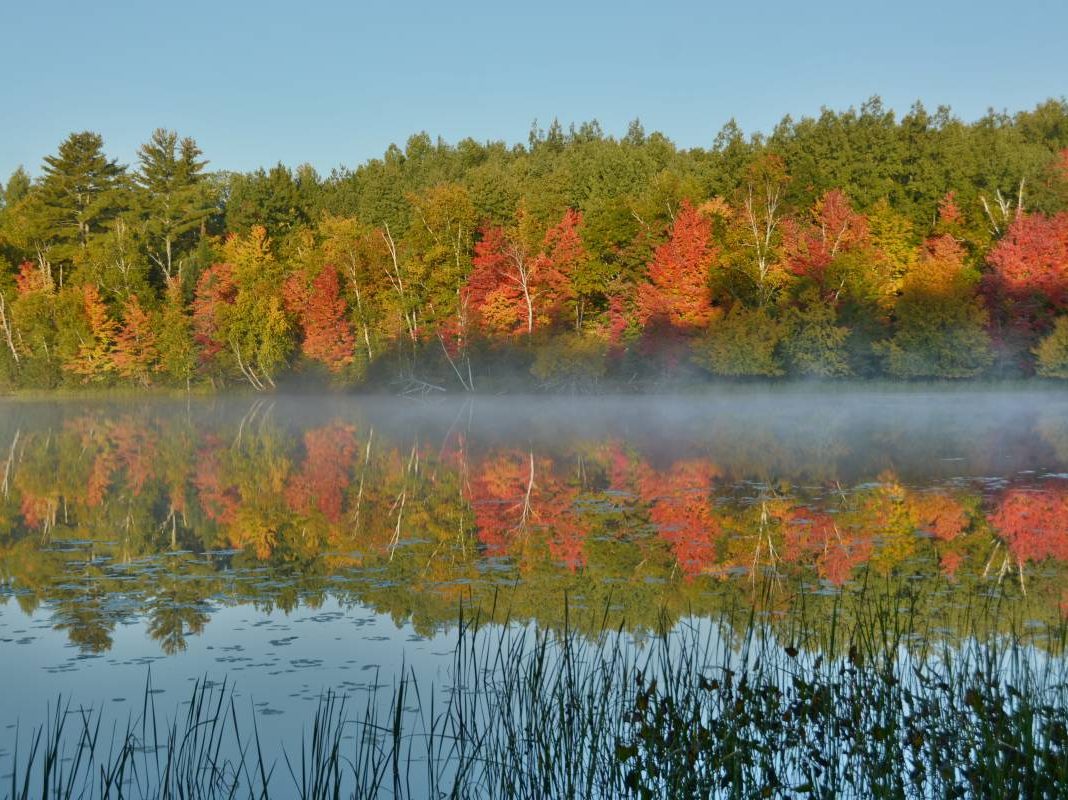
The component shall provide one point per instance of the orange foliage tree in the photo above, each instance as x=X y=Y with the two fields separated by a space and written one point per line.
x=135 y=353
x=93 y=360
x=323 y=316
x=1028 y=281
x=677 y=295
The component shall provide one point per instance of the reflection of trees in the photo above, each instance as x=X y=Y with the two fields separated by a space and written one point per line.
x=82 y=611
x=516 y=497
x=680 y=506
x=1032 y=525
x=816 y=536
x=178 y=607
x=325 y=472
x=107 y=516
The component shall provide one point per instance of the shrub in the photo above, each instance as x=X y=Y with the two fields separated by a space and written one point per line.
x=1052 y=352
x=742 y=343
x=570 y=362
x=814 y=344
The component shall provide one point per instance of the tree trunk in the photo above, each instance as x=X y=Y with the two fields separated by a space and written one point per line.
x=5 y=326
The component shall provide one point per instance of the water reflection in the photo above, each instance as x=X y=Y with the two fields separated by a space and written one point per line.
x=165 y=512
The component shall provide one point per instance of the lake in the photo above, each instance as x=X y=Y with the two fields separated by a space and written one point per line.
x=295 y=545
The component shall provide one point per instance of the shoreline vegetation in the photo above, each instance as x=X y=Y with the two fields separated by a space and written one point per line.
x=871 y=705
x=856 y=245
x=709 y=388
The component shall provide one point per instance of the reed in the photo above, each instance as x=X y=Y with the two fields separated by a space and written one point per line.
x=868 y=703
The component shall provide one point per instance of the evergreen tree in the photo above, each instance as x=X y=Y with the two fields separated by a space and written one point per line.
x=18 y=186
x=174 y=202
x=81 y=192
x=272 y=199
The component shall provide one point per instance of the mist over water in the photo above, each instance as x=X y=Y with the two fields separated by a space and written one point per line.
x=296 y=543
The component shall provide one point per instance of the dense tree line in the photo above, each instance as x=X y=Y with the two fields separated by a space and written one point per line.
x=854 y=243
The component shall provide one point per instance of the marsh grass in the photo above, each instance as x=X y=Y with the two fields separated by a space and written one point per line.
x=863 y=702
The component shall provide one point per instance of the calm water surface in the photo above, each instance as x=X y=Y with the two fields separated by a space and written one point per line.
x=294 y=544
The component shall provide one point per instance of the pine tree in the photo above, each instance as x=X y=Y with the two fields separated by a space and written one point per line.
x=18 y=186
x=174 y=201
x=79 y=194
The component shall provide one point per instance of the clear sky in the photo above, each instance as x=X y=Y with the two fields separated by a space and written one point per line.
x=335 y=82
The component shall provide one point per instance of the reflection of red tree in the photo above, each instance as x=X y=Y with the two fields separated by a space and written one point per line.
x=513 y=493
x=815 y=536
x=134 y=450
x=681 y=509
x=620 y=468
x=324 y=476
x=38 y=511
x=939 y=513
x=1034 y=522
x=92 y=433
x=219 y=501
x=950 y=561
x=556 y=510
x=123 y=443
x=499 y=497
x=99 y=482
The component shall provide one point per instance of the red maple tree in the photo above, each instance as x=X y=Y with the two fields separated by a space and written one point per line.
x=135 y=350
x=215 y=288
x=562 y=261
x=677 y=294
x=323 y=314
x=834 y=228
x=32 y=278
x=1030 y=265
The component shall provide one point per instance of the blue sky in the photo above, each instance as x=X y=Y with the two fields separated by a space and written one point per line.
x=335 y=82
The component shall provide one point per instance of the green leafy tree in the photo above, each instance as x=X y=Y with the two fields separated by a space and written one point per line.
x=242 y=312
x=437 y=247
x=744 y=342
x=1052 y=352
x=113 y=261
x=815 y=345
x=570 y=362
x=174 y=337
x=941 y=324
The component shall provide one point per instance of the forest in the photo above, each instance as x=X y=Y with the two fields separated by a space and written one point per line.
x=852 y=244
